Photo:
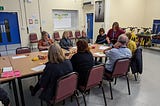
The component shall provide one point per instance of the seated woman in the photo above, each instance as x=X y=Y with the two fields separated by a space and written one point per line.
x=4 y=98
x=45 y=42
x=65 y=42
x=131 y=44
x=101 y=38
x=82 y=61
x=56 y=67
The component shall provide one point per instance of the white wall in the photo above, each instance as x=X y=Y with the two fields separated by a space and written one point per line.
x=127 y=12
x=32 y=12
x=152 y=11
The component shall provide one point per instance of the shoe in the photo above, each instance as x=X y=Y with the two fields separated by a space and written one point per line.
x=31 y=89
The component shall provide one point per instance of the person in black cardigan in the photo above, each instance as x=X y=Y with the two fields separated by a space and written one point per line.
x=82 y=61
x=101 y=38
x=4 y=98
x=56 y=67
x=65 y=42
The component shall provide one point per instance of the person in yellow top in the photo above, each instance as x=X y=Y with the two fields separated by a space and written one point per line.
x=131 y=44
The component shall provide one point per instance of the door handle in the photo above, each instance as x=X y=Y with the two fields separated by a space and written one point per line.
x=4 y=28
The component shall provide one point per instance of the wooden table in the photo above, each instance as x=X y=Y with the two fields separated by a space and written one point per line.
x=24 y=65
x=4 y=62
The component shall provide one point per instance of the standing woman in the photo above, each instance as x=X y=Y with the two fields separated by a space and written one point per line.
x=65 y=42
x=114 y=33
x=82 y=61
x=56 y=67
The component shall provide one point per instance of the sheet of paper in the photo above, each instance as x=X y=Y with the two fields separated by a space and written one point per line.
x=18 y=57
x=7 y=69
x=38 y=68
x=103 y=47
x=100 y=54
x=45 y=51
x=75 y=47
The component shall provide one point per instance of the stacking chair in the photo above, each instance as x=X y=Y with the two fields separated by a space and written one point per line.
x=56 y=36
x=71 y=35
x=33 y=39
x=95 y=76
x=66 y=87
x=77 y=34
x=120 y=69
x=22 y=50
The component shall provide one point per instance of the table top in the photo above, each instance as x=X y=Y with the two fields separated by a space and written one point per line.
x=4 y=62
x=25 y=64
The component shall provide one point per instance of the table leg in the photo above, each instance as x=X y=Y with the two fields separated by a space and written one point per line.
x=21 y=91
x=15 y=93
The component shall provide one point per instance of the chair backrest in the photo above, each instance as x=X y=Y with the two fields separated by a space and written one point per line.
x=95 y=76
x=33 y=38
x=77 y=34
x=121 y=67
x=70 y=34
x=22 y=50
x=66 y=86
x=56 y=35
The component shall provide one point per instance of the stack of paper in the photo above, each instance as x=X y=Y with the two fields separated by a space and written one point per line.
x=103 y=47
x=100 y=54
x=38 y=68
x=18 y=57
x=45 y=51
x=7 y=69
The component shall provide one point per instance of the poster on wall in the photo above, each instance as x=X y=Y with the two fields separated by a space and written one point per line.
x=62 y=20
x=99 y=11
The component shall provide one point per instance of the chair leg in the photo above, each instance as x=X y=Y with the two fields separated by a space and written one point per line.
x=41 y=103
x=111 y=90
x=128 y=85
x=115 y=81
x=77 y=99
x=135 y=77
x=10 y=85
x=104 y=96
x=84 y=99
x=71 y=98
x=63 y=102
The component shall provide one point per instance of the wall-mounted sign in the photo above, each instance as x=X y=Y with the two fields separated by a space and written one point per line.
x=1 y=7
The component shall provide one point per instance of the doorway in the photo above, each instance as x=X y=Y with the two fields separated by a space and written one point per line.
x=90 y=25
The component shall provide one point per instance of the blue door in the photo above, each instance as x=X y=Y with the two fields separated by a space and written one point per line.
x=90 y=25
x=9 y=29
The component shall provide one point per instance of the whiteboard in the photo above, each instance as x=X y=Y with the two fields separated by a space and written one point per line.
x=62 y=19
x=65 y=19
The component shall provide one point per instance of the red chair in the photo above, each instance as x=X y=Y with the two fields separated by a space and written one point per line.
x=120 y=69
x=66 y=87
x=77 y=34
x=56 y=36
x=33 y=39
x=22 y=50
x=95 y=76
x=71 y=35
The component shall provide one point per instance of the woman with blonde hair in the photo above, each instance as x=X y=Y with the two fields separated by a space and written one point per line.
x=56 y=67
x=65 y=42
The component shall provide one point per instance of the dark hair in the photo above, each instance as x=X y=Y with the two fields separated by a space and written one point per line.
x=101 y=30
x=82 y=46
x=129 y=35
x=43 y=33
x=116 y=24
